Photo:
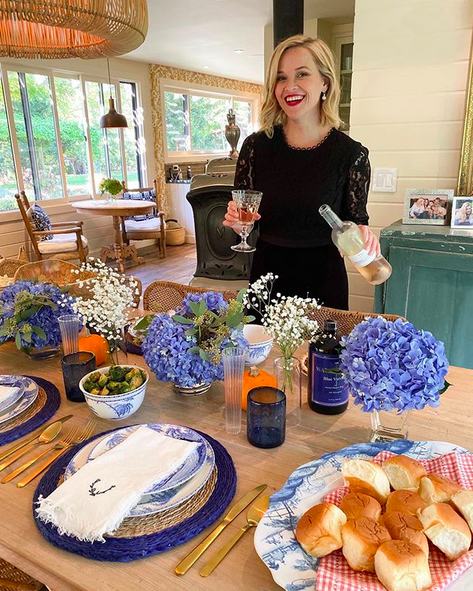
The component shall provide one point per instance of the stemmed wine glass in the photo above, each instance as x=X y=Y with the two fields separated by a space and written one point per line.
x=247 y=203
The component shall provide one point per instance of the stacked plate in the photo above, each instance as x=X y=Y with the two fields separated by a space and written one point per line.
x=179 y=486
x=17 y=393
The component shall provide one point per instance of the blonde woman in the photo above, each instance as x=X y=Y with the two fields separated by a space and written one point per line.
x=300 y=160
x=464 y=216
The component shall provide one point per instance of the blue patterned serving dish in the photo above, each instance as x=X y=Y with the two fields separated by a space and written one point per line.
x=16 y=387
x=29 y=396
x=275 y=540
x=115 y=407
x=259 y=344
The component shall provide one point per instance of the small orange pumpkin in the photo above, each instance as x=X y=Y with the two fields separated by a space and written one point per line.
x=97 y=345
x=254 y=378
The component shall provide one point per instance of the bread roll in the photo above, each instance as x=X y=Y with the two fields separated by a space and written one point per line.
x=367 y=477
x=406 y=527
x=361 y=538
x=404 y=473
x=446 y=529
x=463 y=501
x=437 y=489
x=356 y=505
x=319 y=529
x=401 y=566
x=406 y=501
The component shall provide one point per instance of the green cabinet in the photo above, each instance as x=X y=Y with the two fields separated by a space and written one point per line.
x=431 y=284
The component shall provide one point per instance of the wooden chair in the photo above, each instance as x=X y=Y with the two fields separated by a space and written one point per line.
x=161 y=296
x=146 y=229
x=67 y=243
x=346 y=319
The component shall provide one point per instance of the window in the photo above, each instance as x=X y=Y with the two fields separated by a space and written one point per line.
x=195 y=120
x=51 y=123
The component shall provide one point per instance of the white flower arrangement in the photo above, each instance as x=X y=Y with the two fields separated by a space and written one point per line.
x=104 y=309
x=286 y=318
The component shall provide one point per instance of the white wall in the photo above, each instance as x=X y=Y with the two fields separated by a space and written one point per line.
x=98 y=230
x=408 y=99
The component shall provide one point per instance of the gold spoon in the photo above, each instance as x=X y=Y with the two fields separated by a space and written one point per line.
x=253 y=517
x=46 y=436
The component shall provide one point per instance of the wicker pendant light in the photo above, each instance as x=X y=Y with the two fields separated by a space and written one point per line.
x=71 y=28
x=112 y=118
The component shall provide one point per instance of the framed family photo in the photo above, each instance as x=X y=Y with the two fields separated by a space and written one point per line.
x=462 y=214
x=427 y=206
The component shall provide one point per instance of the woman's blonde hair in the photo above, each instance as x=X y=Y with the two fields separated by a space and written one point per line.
x=271 y=113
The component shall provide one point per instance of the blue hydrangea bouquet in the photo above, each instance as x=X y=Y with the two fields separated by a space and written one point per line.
x=185 y=348
x=29 y=313
x=393 y=366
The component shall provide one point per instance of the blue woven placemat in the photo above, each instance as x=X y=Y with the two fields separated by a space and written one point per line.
x=53 y=400
x=133 y=548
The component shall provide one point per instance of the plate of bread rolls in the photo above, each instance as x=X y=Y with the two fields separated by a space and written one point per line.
x=392 y=516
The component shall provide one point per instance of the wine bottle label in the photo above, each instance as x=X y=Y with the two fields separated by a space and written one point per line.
x=363 y=258
x=329 y=387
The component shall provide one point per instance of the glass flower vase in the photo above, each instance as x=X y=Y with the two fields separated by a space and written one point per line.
x=117 y=351
x=40 y=353
x=389 y=425
x=288 y=373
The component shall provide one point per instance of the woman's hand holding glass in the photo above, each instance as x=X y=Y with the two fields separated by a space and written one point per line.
x=232 y=219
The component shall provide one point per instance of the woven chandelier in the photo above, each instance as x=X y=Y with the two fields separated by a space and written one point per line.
x=71 y=28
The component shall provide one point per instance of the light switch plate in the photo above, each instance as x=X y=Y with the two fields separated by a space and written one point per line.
x=384 y=180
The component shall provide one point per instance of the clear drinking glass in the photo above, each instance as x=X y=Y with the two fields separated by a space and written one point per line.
x=247 y=203
x=69 y=325
x=233 y=367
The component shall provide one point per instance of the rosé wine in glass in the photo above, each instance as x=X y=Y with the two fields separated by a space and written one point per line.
x=247 y=203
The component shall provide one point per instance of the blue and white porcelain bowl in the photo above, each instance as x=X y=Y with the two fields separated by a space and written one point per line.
x=259 y=344
x=115 y=407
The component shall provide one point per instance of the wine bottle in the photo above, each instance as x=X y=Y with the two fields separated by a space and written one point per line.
x=348 y=238
x=327 y=391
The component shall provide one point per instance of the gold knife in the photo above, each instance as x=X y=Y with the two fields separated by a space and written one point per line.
x=237 y=508
x=18 y=446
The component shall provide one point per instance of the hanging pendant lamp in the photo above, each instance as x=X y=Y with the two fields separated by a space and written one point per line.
x=71 y=28
x=112 y=118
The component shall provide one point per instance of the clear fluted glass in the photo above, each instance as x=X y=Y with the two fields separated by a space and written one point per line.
x=233 y=368
x=69 y=324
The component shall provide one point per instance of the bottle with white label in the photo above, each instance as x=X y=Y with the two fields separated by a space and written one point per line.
x=348 y=238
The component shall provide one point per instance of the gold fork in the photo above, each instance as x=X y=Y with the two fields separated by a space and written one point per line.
x=86 y=433
x=64 y=442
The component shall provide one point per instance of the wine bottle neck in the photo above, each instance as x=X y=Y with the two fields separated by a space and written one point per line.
x=331 y=217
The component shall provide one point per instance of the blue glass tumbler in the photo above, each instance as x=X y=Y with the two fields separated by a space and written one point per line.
x=266 y=417
x=74 y=367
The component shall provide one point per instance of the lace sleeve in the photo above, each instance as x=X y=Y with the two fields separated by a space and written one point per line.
x=245 y=170
x=359 y=174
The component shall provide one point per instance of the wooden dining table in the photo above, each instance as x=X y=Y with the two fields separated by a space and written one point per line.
x=118 y=210
x=22 y=545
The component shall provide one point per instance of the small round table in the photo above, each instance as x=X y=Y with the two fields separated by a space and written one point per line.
x=118 y=210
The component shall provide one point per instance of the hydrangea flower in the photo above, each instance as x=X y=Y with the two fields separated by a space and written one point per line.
x=172 y=348
x=29 y=313
x=393 y=365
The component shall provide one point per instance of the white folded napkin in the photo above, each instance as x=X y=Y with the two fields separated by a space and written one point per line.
x=6 y=392
x=97 y=498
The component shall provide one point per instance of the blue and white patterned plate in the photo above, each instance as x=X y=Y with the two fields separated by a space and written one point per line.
x=153 y=502
x=275 y=539
x=17 y=387
x=29 y=396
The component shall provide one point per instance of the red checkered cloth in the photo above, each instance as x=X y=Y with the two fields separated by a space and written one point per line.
x=334 y=574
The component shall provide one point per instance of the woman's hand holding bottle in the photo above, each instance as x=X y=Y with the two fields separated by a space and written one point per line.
x=371 y=242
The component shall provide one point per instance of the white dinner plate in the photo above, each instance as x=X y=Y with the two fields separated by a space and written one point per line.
x=29 y=396
x=275 y=541
x=16 y=386
x=152 y=502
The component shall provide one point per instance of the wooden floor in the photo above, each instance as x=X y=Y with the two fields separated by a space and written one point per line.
x=178 y=265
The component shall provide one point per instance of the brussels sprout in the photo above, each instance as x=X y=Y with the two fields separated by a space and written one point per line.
x=104 y=391
x=135 y=382
x=117 y=373
x=89 y=385
x=94 y=377
x=133 y=372
x=95 y=391
x=125 y=388
x=103 y=380
x=113 y=385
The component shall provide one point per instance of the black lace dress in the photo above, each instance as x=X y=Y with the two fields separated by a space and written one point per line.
x=294 y=241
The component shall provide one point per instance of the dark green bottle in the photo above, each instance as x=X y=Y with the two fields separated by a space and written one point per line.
x=327 y=390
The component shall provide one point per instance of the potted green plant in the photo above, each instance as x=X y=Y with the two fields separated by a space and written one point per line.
x=112 y=188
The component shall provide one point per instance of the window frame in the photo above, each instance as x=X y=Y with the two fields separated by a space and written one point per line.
x=61 y=203
x=169 y=85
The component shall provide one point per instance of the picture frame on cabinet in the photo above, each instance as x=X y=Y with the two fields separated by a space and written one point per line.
x=427 y=206
x=462 y=213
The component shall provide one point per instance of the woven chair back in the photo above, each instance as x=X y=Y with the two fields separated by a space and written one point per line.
x=12 y=578
x=346 y=320
x=161 y=296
